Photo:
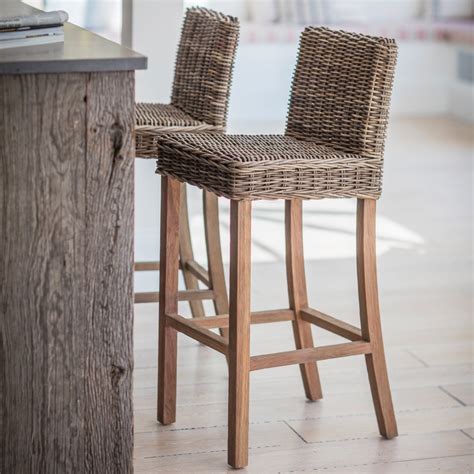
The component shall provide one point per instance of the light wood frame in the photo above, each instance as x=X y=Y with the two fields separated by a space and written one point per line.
x=366 y=341
x=193 y=273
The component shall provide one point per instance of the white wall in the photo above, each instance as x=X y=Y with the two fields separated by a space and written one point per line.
x=156 y=27
x=424 y=82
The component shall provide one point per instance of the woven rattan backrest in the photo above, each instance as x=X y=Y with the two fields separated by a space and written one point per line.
x=204 y=65
x=341 y=90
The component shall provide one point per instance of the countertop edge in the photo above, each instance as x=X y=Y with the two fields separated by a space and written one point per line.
x=72 y=66
x=85 y=51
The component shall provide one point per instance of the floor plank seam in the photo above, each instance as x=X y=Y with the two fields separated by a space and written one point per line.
x=467 y=434
x=419 y=359
x=324 y=468
x=367 y=414
x=160 y=456
x=376 y=435
x=296 y=432
x=191 y=428
x=451 y=395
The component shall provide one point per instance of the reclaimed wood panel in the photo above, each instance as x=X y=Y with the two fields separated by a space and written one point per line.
x=66 y=254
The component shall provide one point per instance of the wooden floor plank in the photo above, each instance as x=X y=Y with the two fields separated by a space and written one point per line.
x=414 y=422
x=202 y=440
x=322 y=456
x=292 y=408
x=463 y=393
x=193 y=356
x=454 y=464
x=195 y=390
x=444 y=354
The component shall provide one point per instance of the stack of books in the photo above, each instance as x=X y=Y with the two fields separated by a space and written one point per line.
x=41 y=28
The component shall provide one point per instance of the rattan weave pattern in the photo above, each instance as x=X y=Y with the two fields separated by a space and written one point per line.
x=341 y=90
x=267 y=167
x=201 y=86
x=204 y=65
x=333 y=147
x=153 y=120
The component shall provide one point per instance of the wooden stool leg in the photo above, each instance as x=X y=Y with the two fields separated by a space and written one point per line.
x=214 y=255
x=169 y=267
x=186 y=255
x=297 y=293
x=239 y=333
x=370 y=317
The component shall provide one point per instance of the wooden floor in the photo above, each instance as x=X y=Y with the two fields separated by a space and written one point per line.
x=425 y=278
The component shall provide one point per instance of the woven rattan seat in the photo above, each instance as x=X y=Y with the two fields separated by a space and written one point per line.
x=152 y=120
x=334 y=140
x=267 y=166
x=201 y=83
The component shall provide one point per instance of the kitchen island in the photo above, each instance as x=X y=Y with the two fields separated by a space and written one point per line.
x=66 y=254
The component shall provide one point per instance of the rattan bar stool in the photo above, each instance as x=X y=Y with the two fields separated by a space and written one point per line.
x=199 y=102
x=332 y=148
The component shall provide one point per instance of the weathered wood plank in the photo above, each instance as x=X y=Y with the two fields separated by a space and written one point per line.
x=66 y=251
x=198 y=333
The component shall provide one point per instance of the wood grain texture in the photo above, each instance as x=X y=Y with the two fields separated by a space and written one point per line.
x=298 y=298
x=186 y=255
x=370 y=317
x=239 y=332
x=66 y=251
x=214 y=255
x=199 y=272
x=331 y=324
x=359 y=455
x=257 y=317
x=299 y=356
x=183 y=295
x=147 y=266
x=169 y=262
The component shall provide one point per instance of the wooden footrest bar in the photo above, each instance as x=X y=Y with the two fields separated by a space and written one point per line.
x=198 y=271
x=302 y=356
x=331 y=324
x=184 y=295
x=258 y=317
x=147 y=266
x=204 y=336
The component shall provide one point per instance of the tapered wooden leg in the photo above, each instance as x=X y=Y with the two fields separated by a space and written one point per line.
x=169 y=266
x=214 y=255
x=186 y=255
x=239 y=333
x=370 y=317
x=297 y=293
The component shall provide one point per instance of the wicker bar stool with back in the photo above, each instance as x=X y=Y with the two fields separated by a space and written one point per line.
x=199 y=100
x=332 y=148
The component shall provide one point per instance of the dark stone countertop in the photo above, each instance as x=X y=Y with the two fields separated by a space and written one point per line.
x=82 y=51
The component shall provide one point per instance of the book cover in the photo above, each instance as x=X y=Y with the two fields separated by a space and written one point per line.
x=30 y=42
x=31 y=33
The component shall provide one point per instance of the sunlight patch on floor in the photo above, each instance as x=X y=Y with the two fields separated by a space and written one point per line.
x=329 y=232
